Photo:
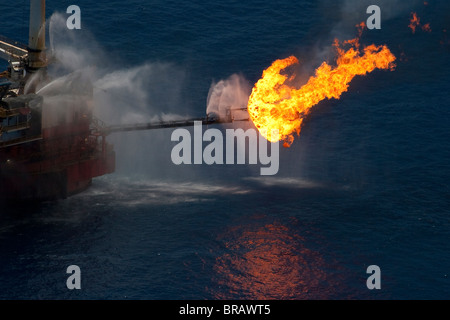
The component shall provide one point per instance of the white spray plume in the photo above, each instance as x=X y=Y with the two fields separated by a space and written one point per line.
x=225 y=95
x=140 y=94
x=80 y=71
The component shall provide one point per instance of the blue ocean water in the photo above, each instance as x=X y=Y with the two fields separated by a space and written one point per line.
x=366 y=183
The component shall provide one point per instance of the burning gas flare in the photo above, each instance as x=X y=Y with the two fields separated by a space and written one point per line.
x=276 y=105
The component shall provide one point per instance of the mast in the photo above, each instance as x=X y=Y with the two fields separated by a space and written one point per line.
x=36 y=42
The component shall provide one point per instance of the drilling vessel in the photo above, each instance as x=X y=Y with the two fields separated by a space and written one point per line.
x=51 y=145
x=47 y=150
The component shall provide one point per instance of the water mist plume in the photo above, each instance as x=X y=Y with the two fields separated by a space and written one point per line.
x=227 y=95
x=140 y=94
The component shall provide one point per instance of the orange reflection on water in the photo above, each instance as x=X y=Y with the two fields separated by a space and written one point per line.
x=268 y=262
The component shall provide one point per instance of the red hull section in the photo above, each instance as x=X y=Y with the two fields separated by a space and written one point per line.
x=21 y=183
x=59 y=183
x=61 y=163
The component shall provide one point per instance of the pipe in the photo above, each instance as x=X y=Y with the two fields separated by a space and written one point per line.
x=211 y=118
x=159 y=125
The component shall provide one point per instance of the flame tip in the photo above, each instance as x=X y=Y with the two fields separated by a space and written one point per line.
x=285 y=106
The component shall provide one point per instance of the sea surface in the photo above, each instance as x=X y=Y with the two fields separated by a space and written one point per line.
x=366 y=182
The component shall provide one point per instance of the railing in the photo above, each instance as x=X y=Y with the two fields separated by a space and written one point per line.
x=16 y=127
x=11 y=49
x=14 y=142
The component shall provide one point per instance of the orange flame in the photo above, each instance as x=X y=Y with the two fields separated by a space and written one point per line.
x=414 y=22
x=275 y=105
x=426 y=27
